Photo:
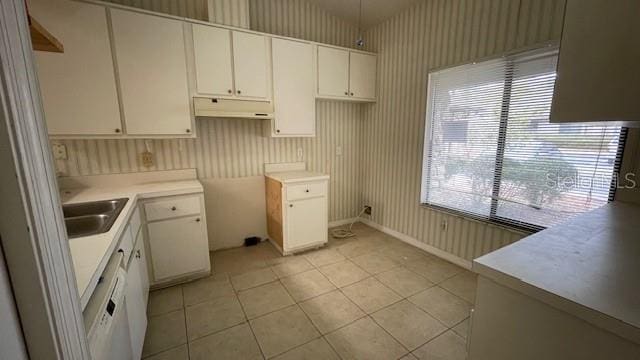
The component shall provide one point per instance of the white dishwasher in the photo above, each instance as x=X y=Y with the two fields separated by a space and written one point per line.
x=105 y=317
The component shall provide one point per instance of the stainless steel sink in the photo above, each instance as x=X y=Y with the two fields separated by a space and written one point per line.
x=91 y=218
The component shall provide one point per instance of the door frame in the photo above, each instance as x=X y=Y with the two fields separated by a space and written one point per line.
x=32 y=230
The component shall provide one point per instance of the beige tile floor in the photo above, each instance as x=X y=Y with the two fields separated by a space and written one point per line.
x=366 y=297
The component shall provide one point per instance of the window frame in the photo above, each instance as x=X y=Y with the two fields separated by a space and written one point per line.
x=493 y=217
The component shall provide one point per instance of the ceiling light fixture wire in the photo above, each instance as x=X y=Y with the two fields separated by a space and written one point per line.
x=360 y=41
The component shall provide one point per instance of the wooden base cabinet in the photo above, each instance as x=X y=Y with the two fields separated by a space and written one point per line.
x=297 y=214
x=177 y=239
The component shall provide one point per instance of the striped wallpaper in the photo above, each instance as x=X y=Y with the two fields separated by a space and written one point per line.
x=382 y=142
x=433 y=34
x=232 y=148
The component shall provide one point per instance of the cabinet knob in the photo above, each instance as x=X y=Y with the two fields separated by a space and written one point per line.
x=117 y=130
x=306 y=190
x=239 y=92
x=173 y=208
x=346 y=93
x=278 y=131
x=351 y=94
x=138 y=254
x=198 y=220
x=188 y=130
x=290 y=205
x=229 y=91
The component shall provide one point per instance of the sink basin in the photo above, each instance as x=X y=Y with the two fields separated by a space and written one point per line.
x=86 y=225
x=91 y=218
x=91 y=208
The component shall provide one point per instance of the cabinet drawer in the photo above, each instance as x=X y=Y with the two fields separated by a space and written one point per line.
x=304 y=191
x=174 y=207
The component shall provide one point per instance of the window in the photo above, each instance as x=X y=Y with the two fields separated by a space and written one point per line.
x=490 y=150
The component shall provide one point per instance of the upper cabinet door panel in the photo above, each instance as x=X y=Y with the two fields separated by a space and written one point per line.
x=362 y=76
x=78 y=86
x=293 y=88
x=598 y=73
x=333 y=71
x=250 y=65
x=212 y=52
x=151 y=62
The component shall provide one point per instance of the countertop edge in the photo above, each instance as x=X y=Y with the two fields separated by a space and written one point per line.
x=592 y=316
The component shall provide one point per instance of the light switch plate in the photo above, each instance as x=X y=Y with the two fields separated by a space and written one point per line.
x=300 y=154
x=339 y=150
x=59 y=152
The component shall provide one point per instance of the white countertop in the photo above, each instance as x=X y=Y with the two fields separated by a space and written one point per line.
x=90 y=254
x=288 y=177
x=588 y=266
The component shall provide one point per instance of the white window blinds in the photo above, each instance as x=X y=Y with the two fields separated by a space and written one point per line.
x=491 y=152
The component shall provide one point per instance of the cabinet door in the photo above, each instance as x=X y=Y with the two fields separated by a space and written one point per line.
x=250 y=65
x=141 y=256
x=293 y=88
x=136 y=308
x=333 y=71
x=212 y=53
x=178 y=247
x=362 y=76
x=598 y=74
x=152 y=70
x=306 y=223
x=78 y=86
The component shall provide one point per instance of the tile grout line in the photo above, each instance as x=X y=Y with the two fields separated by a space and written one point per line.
x=255 y=338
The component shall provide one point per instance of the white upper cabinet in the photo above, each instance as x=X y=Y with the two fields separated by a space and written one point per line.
x=333 y=71
x=231 y=64
x=78 y=86
x=598 y=74
x=151 y=64
x=212 y=55
x=362 y=76
x=250 y=65
x=293 y=88
x=347 y=75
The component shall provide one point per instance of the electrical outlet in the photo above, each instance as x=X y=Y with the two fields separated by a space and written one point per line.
x=444 y=225
x=367 y=210
x=59 y=151
x=339 y=150
x=147 y=159
x=300 y=154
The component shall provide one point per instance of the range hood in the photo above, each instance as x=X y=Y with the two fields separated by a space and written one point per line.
x=230 y=108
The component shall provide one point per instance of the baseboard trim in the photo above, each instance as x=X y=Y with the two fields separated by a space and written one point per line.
x=417 y=243
x=342 y=222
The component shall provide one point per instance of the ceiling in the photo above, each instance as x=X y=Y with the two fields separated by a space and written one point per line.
x=373 y=11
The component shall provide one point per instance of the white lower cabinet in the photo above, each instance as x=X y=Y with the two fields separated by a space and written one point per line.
x=178 y=245
x=306 y=223
x=137 y=283
x=297 y=214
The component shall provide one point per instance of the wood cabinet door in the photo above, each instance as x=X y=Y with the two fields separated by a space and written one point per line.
x=78 y=86
x=306 y=223
x=362 y=76
x=178 y=247
x=250 y=65
x=136 y=308
x=152 y=69
x=293 y=88
x=212 y=55
x=333 y=72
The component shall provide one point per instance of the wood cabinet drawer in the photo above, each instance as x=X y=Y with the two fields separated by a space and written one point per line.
x=173 y=207
x=304 y=191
